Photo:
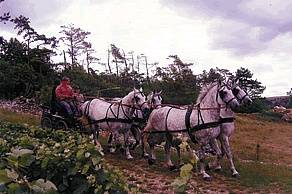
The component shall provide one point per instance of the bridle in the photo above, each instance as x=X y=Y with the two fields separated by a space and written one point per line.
x=235 y=91
x=136 y=100
x=219 y=93
x=153 y=105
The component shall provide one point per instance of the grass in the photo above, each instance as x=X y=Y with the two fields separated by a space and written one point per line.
x=274 y=139
x=20 y=118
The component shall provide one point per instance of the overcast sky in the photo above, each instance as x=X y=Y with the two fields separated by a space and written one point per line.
x=255 y=34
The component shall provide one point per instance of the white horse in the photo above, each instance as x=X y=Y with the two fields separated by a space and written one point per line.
x=196 y=122
x=227 y=128
x=154 y=100
x=115 y=116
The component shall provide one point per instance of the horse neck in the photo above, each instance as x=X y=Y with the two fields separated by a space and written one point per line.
x=127 y=104
x=226 y=112
x=210 y=98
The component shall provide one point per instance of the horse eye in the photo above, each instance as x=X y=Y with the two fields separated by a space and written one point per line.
x=137 y=98
x=222 y=94
x=235 y=91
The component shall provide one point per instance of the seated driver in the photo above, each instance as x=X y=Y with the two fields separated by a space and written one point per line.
x=64 y=95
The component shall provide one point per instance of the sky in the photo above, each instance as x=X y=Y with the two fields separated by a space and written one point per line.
x=255 y=34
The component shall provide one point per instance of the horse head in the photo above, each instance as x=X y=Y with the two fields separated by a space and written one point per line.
x=226 y=96
x=137 y=99
x=154 y=99
x=240 y=94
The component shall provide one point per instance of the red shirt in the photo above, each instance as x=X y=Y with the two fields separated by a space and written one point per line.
x=64 y=91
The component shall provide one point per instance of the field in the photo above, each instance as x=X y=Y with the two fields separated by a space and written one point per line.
x=268 y=170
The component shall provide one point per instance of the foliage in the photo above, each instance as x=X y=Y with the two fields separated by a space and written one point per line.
x=42 y=160
x=180 y=183
x=253 y=87
x=258 y=105
x=289 y=105
x=75 y=40
x=271 y=115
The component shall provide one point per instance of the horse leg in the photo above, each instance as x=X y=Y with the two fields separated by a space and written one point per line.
x=115 y=137
x=137 y=135
x=126 y=144
x=110 y=141
x=167 y=148
x=144 y=139
x=152 y=158
x=216 y=164
x=202 y=156
x=95 y=133
x=179 y=162
x=227 y=150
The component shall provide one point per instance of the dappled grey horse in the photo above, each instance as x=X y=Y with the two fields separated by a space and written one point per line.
x=154 y=100
x=227 y=128
x=198 y=122
x=115 y=116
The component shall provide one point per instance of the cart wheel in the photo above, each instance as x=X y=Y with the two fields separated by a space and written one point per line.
x=46 y=123
x=62 y=125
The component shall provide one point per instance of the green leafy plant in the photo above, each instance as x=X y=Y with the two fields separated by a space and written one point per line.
x=45 y=161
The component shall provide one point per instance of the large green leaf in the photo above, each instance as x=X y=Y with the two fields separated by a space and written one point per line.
x=4 y=177
x=42 y=186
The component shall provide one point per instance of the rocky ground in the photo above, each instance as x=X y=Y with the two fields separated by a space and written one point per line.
x=22 y=105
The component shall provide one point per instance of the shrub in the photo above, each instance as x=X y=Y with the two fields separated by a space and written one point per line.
x=45 y=161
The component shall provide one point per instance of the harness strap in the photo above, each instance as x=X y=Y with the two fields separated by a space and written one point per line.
x=188 y=122
x=125 y=112
x=227 y=120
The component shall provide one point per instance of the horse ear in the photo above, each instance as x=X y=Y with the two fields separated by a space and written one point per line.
x=236 y=81
x=229 y=83
x=160 y=92
x=141 y=89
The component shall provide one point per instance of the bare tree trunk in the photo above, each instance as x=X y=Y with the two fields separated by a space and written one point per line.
x=125 y=61
x=147 y=71
x=87 y=61
x=65 y=61
x=72 y=54
x=117 y=66
x=28 y=45
x=133 y=62
x=138 y=65
x=108 y=61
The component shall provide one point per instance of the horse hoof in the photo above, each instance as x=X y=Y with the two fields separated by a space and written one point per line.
x=151 y=161
x=145 y=155
x=207 y=178
x=218 y=169
x=129 y=157
x=236 y=175
x=112 y=150
x=172 y=167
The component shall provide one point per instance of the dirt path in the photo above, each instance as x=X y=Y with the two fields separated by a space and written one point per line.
x=157 y=178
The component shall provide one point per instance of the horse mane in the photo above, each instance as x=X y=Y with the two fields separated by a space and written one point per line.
x=205 y=89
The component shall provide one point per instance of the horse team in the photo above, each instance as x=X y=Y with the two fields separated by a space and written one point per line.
x=203 y=123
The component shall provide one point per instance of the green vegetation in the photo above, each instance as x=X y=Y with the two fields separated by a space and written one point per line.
x=45 y=161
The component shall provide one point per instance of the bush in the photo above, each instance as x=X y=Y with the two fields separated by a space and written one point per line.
x=271 y=116
x=45 y=161
x=258 y=105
